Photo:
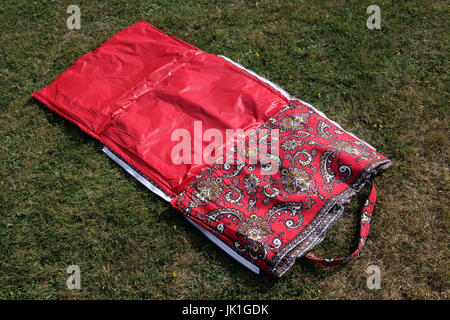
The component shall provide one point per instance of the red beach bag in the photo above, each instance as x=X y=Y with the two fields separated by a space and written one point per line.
x=265 y=209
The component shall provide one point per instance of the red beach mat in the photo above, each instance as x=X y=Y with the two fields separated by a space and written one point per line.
x=264 y=208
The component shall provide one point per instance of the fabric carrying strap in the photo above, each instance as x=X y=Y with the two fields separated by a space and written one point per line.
x=366 y=216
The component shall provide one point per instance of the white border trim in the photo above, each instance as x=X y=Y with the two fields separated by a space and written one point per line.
x=157 y=191
x=253 y=73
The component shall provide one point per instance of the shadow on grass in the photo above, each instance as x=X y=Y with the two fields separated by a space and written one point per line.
x=69 y=128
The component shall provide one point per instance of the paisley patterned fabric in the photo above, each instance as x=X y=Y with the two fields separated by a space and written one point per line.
x=272 y=219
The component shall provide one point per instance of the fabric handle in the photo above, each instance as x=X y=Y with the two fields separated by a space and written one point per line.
x=366 y=215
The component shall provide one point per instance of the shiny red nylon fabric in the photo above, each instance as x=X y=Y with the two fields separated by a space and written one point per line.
x=142 y=84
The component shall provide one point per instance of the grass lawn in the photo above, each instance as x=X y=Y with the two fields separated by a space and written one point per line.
x=63 y=202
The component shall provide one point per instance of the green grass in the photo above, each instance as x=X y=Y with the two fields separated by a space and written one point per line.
x=63 y=202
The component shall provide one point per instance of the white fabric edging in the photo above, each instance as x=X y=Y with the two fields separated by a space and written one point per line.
x=160 y=193
x=253 y=73
x=290 y=97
